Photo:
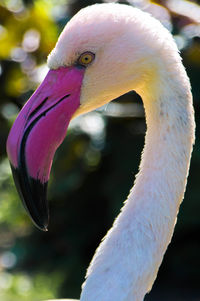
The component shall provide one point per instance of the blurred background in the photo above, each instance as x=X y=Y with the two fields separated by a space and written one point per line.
x=94 y=168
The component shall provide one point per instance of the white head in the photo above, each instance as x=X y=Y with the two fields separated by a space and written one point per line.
x=128 y=50
x=128 y=44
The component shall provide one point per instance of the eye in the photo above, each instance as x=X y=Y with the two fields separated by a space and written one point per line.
x=86 y=58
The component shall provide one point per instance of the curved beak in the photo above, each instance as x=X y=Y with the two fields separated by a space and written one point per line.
x=36 y=134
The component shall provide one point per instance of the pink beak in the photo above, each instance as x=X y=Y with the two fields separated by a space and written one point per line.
x=36 y=134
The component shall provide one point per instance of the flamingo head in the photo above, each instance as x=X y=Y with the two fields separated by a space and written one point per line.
x=102 y=53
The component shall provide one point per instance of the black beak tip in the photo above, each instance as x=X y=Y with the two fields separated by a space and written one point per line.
x=33 y=195
x=41 y=221
x=40 y=226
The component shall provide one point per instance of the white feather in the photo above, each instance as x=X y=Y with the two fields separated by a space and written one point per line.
x=135 y=52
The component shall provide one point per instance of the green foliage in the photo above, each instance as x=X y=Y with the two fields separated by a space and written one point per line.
x=25 y=287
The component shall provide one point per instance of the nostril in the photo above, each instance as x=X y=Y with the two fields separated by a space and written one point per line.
x=37 y=109
x=40 y=106
x=67 y=95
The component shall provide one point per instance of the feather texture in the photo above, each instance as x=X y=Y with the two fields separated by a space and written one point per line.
x=133 y=51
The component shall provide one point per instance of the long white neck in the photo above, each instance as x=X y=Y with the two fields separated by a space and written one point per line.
x=126 y=263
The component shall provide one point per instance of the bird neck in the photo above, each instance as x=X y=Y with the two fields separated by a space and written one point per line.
x=126 y=263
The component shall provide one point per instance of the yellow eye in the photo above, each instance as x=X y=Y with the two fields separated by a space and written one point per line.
x=86 y=58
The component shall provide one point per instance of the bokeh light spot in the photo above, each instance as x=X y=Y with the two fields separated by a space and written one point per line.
x=18 y=54
x=5 y=280
x=31 y=40
x=8 y=260
x=9 y=111
x=24 y=284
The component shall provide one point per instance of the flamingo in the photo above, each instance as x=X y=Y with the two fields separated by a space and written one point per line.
x=103 y=52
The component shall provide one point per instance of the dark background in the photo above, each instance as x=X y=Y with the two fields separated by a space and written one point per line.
x=94 y=168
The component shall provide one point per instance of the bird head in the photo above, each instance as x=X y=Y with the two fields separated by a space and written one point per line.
x=103 y=52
